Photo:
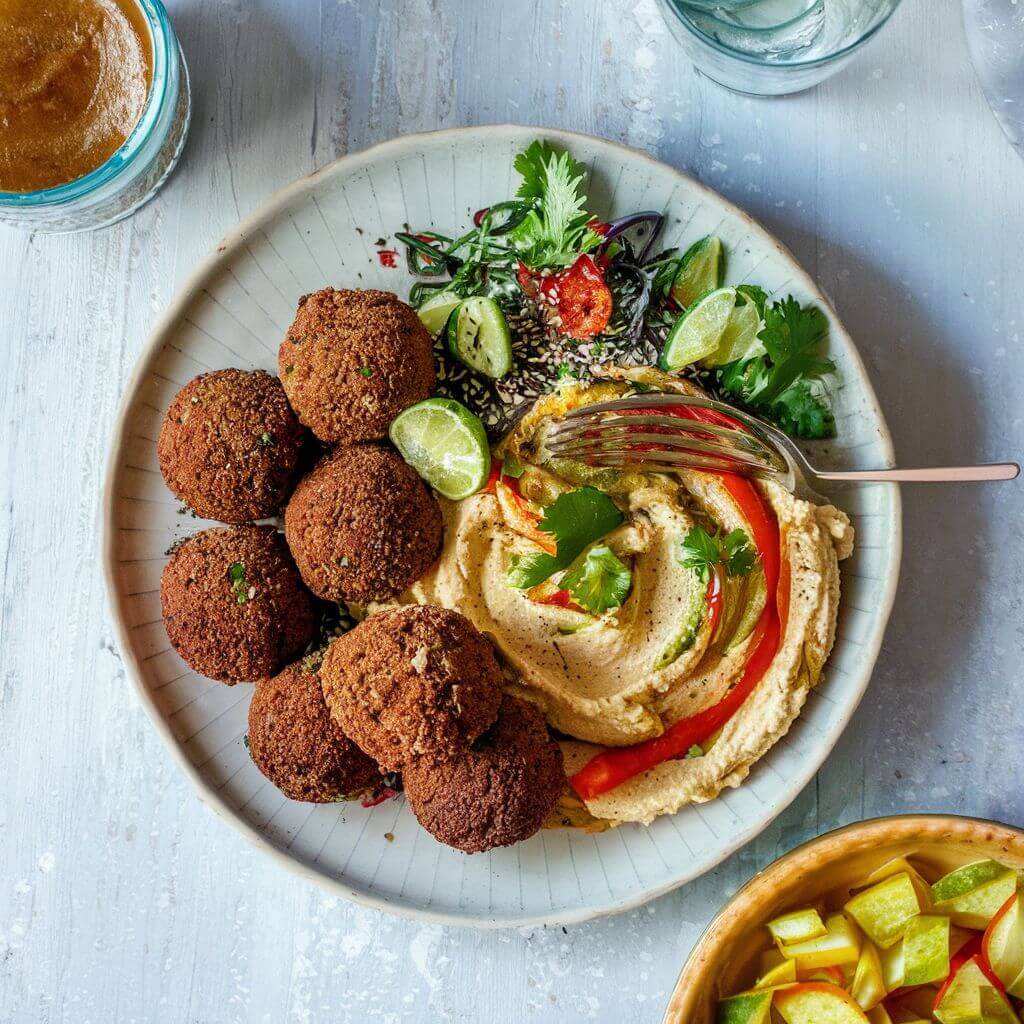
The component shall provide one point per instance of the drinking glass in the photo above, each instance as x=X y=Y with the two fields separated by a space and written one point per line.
x=772 y=47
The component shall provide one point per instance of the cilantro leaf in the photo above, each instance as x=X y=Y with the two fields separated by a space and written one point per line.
x=555 y=231
x=599 y=581
x=703 y=551
x=575 y=519
x=700 y=552
x=784 y=383
x=740 y=557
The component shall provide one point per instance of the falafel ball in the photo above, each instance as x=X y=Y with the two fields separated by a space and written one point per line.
x=352 y=361
x=362 y=525
x=412 y=682
x=496 y=793
x=229 y=445
x=295 y=743
x=233 y=604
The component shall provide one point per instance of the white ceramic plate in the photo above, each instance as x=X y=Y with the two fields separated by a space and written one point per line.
x=233 y=312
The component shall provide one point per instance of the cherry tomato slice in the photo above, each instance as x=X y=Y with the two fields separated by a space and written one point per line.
x=583 y=299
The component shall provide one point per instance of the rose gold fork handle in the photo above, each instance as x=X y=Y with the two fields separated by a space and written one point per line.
x=938 y=474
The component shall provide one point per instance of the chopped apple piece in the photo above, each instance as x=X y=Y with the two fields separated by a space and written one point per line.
x=879 y=1015
x=972 y=895
x=799 y=926
x=1003 y=945
x=892 y=967
x=780 y=974
x=868 y=988
x=817 y=1002
x=926 y=950
x=996 y=1008
x=898 y=866
x=746 y=1008
x=840 y=945
x=884 y=910
x=970 y=997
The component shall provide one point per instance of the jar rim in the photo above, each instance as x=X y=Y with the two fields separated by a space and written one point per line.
x=165 y=55
x=788 y=65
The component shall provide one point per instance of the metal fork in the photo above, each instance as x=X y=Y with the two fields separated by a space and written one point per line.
x=624 y=432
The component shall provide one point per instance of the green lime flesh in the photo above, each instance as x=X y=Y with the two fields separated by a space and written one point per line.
x=698 y=332
x=434 y=313
x=702 y=270
x=446 y=444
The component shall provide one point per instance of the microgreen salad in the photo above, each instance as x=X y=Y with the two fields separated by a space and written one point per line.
x=538 y=289
x=896 y=949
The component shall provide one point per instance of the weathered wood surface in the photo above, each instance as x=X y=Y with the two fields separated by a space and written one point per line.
x=121 y=898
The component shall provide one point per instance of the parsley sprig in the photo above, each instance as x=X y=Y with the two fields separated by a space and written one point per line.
x=599 y=581
x=575 y=520
x=703 y=551
x=554 y=233
x=784 y=384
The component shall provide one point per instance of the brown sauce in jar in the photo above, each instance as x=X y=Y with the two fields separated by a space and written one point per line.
x=74 y=78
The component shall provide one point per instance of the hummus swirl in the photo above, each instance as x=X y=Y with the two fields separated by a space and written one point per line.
x=627 y=675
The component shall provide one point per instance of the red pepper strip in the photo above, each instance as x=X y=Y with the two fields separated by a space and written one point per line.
x=714 y=600
x=561 y=599
x=385 y=794
x=493 y=479
x=613 y=767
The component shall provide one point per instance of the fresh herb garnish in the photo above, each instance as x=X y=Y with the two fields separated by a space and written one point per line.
x=366 y=371
x=703 y=551
x=785 y=383
x=554 y=233
x=599 y=581
x=695 y=751
x=575 y=519
x=267 y=439
x=239 y=584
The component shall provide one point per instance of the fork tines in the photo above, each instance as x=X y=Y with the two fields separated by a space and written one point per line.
x=632 y=430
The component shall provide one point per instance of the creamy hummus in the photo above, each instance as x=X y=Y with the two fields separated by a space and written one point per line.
x=625 y=676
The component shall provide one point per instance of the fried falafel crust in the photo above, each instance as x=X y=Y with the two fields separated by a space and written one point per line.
x=412 y=682
x=230 y=444
x=362 y=526
x=498 y=792
x=297 y=745
x=352 y=361
x=235 y=629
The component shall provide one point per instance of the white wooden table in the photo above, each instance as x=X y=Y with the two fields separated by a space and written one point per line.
x=121 y=898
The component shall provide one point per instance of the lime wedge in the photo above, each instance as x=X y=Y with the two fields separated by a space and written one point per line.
x=698 y=332
x=739 y=339
x=702 y=270
x=446 y=444
x=478 y=337
x=435 y=311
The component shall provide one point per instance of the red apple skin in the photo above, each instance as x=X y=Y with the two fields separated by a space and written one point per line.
x=999 y=914
x=983 y=965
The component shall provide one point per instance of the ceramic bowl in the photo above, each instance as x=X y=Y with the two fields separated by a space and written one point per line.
x=719 y=964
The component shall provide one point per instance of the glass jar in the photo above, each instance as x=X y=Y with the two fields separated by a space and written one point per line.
x=134 y=173
x=774 y=47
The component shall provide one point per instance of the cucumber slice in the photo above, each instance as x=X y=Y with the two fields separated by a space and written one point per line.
x=446 y=444
x=698 y=332
x=435 y=311
x=702 y=270
x=478 y=337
